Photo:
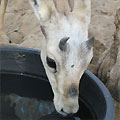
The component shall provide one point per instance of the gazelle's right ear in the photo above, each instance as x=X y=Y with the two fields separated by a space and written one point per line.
x=41 y=9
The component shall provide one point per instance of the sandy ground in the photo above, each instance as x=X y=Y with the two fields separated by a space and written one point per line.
x=18 y=26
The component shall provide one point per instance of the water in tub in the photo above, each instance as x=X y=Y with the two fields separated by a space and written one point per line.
x=15 y=107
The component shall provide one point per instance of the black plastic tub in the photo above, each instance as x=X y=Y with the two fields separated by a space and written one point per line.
x=22 y=73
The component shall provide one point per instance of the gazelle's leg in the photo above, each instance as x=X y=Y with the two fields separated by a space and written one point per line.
x=3 y=36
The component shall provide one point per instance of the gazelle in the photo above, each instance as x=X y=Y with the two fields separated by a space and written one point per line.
x=66 y=51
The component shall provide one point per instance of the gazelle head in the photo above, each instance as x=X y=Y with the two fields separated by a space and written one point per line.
x=66 y=51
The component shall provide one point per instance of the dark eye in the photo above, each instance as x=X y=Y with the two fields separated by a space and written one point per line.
x=51 y=63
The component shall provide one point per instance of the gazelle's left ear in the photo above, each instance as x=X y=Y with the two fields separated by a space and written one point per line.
x=41 y=9
x=90 y=42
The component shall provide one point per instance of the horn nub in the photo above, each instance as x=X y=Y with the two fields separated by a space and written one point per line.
x=63 y=44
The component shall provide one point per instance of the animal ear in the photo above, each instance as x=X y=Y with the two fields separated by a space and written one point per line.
x=82 y=4
x=89 y=43
x=62 y=6
x=41 y=9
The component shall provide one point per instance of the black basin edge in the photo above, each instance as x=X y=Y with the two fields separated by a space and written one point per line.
x=26 y=75
x=108 y=98
x=8 y=48
x=109 y=102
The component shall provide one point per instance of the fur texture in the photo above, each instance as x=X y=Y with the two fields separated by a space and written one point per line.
x=60 y=19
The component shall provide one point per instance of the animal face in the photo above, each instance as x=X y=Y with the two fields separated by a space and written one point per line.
x=64 y=70
x=66 y=51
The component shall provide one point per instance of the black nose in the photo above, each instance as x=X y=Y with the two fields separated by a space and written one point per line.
x=62 y=110
x=72 y=92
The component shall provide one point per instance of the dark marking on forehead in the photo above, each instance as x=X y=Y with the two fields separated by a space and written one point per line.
x=73 y=91
x=72 y=66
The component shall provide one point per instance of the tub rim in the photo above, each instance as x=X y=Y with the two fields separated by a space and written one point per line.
x=108 y=99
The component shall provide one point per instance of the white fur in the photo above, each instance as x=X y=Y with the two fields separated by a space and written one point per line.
x=57 y=26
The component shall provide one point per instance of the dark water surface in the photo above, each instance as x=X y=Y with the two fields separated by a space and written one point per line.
x=24 y=108
x=25 y=98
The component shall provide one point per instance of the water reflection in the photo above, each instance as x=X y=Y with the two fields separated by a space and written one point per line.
x=32 y=109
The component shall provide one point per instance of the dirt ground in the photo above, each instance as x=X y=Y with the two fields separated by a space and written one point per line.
x=18 y=26
x=23 y=28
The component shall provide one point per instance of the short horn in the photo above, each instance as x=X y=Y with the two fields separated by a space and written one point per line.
x=63 y=43
x=90 y=42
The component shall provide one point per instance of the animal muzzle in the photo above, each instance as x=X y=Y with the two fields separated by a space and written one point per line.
x=67 y=105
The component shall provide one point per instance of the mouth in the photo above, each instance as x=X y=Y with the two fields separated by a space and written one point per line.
x=64 y=114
